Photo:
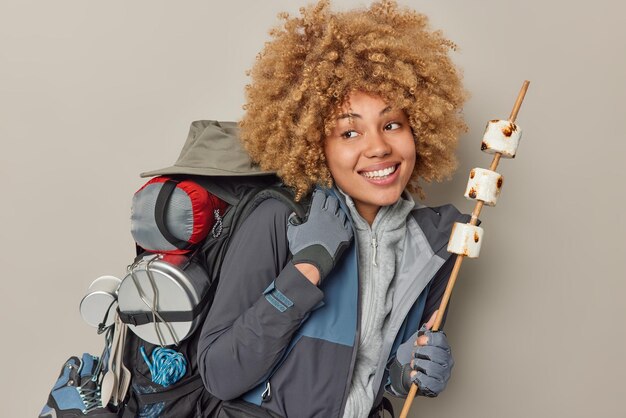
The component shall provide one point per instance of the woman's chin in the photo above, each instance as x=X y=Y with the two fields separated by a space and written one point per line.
x=379 y=199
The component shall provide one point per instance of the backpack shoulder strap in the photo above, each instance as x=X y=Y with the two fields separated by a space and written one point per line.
x=281 y=194
x=213 y=250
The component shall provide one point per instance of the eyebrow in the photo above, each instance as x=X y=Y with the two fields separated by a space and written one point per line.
x=356 y=115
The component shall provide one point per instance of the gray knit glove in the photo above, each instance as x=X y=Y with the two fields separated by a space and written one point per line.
x=433 y=363
x=323 y=237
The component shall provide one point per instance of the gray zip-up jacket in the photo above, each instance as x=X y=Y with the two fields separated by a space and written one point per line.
x=275 y=340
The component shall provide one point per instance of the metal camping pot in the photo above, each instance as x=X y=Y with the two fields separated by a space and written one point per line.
x=100 y=300
x=161 y=296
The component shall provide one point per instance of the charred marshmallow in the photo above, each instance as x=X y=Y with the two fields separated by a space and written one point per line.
x=379 y=173
x=501 y=136
x=484 y=185
x=465 y=240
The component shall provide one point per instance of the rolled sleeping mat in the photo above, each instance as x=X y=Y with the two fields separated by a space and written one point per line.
x=484 y=185
x=501 y=136
x=465 y=240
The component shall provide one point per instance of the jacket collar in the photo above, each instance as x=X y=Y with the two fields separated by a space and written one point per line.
x=395 y=213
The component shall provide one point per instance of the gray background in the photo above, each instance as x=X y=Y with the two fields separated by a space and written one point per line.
x=93 y=92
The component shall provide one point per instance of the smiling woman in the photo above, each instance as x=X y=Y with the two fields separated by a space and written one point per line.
x=359 y=106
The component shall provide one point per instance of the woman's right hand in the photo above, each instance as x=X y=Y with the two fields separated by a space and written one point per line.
x=322 y=238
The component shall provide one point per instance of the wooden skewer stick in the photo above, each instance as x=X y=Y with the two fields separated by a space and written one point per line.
x=518 y=102
x=460 y=257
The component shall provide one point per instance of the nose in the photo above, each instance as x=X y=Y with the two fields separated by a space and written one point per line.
x=377 y=145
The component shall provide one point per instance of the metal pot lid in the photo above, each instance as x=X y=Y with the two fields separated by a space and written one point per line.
x=175 y=291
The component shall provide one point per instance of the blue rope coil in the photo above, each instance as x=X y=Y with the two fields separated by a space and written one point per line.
x=167 y=367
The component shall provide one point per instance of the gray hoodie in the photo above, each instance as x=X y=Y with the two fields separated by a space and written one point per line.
x=380 y=250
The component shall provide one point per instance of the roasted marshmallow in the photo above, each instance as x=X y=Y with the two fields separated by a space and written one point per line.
x=501 y=136
x=484 y=185
x=465 y=240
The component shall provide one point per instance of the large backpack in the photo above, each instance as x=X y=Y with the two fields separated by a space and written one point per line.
x=213 y=159
x=188 y=397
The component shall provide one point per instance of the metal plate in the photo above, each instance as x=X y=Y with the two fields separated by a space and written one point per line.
x=177 y=290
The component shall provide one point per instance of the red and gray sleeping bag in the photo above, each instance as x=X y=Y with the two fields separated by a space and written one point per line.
x=171 y=216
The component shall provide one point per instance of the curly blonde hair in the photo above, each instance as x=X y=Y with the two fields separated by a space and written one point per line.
x=307 y=71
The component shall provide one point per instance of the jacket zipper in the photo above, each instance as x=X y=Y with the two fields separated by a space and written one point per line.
x=266 y=396
x=374 y=246
x=370 y=298
x=267 y=393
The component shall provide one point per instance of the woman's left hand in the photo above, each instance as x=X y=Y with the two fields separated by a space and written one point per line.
x=432 y=360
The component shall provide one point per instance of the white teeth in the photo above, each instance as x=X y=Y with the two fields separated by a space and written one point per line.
x=379 y=173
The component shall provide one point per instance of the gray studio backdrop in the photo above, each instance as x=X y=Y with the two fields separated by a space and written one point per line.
x=93 y=92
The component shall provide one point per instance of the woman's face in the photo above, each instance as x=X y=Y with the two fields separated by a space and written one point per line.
x=370 y=153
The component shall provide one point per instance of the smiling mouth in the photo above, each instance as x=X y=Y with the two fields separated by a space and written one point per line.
x=380 y=174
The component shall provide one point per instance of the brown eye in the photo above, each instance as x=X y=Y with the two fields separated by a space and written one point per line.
x=349 y=134
x=392 y=125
